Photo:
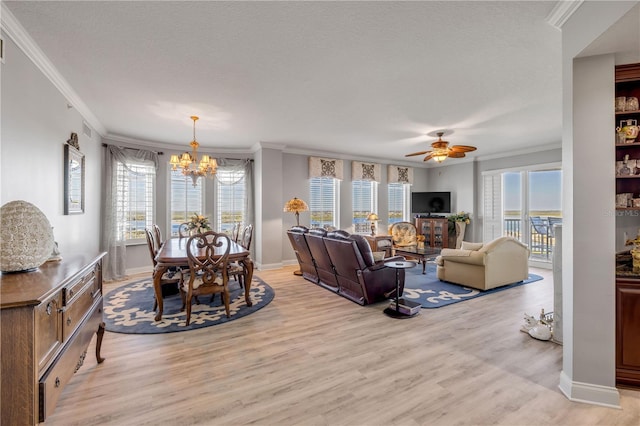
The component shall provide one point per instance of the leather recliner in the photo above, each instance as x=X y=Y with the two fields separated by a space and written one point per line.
x=360 y=278
x=326 y=275
x=303 y=253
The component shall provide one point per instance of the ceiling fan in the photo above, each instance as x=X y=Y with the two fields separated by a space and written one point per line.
x=442 y=150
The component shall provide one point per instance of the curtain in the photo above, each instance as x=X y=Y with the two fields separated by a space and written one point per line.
x=235 y=165
x=399 y=174
x=365 y=171
x=325 y=167
x=112 y=236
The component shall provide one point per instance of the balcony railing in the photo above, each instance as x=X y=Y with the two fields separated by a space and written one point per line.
x=542 y=238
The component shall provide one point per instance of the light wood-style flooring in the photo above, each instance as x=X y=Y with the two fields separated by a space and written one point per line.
x=314 y=358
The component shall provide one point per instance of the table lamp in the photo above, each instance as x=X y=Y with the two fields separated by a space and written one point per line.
x=296 y=205
x=373 y=217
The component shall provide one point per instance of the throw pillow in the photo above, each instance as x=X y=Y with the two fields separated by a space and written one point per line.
x=471 y=246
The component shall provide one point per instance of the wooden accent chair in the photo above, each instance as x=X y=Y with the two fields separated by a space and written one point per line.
x=171 y=279
x=207 y=275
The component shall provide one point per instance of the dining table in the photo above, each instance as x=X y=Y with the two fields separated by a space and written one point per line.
x=173 y=253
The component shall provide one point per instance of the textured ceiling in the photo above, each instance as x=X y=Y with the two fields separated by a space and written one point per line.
x=371 y=79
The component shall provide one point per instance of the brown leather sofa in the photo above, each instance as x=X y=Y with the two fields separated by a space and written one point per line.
x=345 y=265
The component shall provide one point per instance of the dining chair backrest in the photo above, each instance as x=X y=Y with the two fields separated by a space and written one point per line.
x=183 y=230
x=247 y=236
x=153 y=249
x=212 y=265
x=158 y=236
x=235 y=232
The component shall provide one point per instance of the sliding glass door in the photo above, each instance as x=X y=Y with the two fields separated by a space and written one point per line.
x=524 y=204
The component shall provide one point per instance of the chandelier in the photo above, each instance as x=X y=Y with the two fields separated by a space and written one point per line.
x=189 y=162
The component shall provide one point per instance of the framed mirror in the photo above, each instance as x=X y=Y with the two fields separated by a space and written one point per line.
x=73 y=181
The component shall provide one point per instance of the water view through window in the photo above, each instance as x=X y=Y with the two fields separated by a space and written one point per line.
x=532 y=204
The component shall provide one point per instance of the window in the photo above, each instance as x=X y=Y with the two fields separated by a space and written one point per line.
x=186 y=199
x=323 y=204
x=364 y=201
x=399 y=197
x=134 y=200
x=230 y=199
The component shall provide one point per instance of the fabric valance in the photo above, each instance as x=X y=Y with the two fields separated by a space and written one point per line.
x=400 y=174
x=365 y=171
x=325 y=167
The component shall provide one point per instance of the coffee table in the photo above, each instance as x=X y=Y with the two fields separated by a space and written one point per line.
x=421 y=254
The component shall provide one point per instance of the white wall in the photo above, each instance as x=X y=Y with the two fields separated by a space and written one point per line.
x=36 y=124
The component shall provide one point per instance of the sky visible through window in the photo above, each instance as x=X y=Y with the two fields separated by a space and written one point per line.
x=545 y=189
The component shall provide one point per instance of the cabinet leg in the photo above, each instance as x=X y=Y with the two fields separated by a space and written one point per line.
x=99 y=336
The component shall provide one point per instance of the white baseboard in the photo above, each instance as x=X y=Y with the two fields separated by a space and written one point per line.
x=588 y=393
x=266 y=266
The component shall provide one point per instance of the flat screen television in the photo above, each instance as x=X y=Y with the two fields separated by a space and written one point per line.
x=430 y=202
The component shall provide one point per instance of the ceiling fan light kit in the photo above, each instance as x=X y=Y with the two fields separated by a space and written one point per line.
x=441 y=150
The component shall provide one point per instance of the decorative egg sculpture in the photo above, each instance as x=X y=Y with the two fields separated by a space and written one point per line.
x=26 y=237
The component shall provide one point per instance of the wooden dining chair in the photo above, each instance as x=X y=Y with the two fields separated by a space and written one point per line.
x=236 y=270
x=171 y=278
x=158 y=236
x=235 y=232
x=208 y=274
x=183 y=230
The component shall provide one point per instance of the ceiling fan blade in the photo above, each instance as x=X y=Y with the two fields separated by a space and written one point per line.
x=455 y=154
x=428 y=157
x=417 y=153
x=462 y=148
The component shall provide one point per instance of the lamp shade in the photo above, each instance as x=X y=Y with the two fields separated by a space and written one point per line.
x=372 y=216
x=296 y=205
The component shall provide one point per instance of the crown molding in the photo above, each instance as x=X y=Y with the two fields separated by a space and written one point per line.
x=12 y=27
x=160 y=146
x=561 y=13
x=515 y=153
x=352 y=157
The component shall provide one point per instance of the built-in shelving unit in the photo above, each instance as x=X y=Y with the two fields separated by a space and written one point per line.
x=627 y=277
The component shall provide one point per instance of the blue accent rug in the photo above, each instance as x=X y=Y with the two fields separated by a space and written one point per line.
x=431 y=293
x=129 y=309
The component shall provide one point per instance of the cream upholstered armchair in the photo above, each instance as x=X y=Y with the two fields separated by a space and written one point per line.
x=485 y=266
x=403 y=234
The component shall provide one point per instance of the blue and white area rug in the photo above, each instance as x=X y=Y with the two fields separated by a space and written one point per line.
x=431 y=293
x=129 y=309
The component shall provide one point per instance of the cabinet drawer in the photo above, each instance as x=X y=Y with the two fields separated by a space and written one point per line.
x=70 y=360
x=48 y=329
x=73 y=290
x=74 y=313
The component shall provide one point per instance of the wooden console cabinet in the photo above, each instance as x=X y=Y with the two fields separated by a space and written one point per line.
x=47 y=320
x=435 y=231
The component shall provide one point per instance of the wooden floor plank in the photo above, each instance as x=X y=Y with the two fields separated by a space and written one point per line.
x=313 y=358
